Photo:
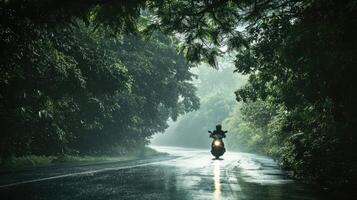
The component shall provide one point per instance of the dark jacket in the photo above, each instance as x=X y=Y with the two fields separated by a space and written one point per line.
x=219 y=132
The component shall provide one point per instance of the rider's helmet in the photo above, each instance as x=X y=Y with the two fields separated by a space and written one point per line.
x=219 y=127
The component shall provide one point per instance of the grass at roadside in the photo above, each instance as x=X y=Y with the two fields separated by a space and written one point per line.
x=23 y=162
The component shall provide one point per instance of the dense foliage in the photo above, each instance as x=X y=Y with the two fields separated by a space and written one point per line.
x=75 y=88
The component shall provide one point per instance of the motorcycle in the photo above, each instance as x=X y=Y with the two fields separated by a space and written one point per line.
x=217 y=146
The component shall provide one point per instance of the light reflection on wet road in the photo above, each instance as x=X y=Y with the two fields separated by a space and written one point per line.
x=217 y=181
x=191 y=174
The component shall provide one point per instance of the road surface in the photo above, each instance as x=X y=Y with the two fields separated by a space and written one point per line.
x=184 y=174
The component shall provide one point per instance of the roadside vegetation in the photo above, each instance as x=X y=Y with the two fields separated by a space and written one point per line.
x=34 y=161
x=81 y=90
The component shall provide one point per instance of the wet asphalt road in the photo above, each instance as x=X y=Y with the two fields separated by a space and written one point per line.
x=185 y=174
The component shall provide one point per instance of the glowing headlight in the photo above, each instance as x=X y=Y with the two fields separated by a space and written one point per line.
x=217 y=143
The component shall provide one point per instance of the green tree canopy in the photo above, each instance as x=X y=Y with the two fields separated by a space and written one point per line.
x=77 y=88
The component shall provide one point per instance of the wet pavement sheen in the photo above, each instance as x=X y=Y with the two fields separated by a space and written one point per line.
x=191 y=174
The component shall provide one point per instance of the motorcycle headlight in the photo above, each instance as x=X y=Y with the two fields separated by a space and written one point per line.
x=217 y=143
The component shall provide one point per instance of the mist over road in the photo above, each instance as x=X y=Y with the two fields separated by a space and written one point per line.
x=184 y=174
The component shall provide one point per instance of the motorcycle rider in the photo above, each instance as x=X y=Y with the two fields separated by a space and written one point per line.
x=219 y=132
x=217 y=146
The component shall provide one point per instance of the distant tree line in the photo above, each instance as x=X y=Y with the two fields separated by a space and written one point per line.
x=215 y=88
